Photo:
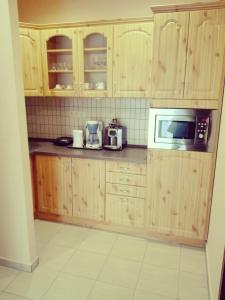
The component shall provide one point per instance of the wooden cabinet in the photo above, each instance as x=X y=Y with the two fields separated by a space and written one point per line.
x=60 y=62
x=169 y=54
x=205 y=55
x=188 y=55
x=125 y=194
x=178 y=193
x=132 y=59
x=95 y=60
x=54 y=189
x=31 y=62
x=88 y=180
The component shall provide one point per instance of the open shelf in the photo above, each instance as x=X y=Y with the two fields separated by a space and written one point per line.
x=95 y=71
x=59 y=51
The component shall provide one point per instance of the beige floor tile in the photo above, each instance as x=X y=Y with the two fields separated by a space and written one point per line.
x=120 y=272
x=85 y=263
x=141 y=295
x=159 y=280
x=55 y=257
x=129 y=248
x=32 y=285
x=99 y=241
x=163 y=255
x=105 y=291
x=67 y=287
x=6 y=276
x=70 y=236
x=7 y=296
x=193 y=287
x=45 y=231
x=193 y=260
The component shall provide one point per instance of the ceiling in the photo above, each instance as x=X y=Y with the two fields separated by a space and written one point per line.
x=59 y=11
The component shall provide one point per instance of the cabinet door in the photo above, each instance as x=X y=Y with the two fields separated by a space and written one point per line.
x=88 y=178
x=60 y=62
x=31 y=61
x=95 y=61
x=206 y=44
x=54 y=189
x=178 y=192
x=169 y=55
x=132 y=60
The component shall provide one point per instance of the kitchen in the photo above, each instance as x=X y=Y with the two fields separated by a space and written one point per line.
x=152 y=189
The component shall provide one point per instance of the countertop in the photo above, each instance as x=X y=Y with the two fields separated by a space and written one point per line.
x=133 y=155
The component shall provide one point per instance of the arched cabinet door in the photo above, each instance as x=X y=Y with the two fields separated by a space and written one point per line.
x=31 y=62
x=132 y=59
x=95 y=61
x=60 y=70
x=169 y=55
x=205 y=56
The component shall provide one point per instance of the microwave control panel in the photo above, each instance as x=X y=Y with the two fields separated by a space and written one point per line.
x=202 y=130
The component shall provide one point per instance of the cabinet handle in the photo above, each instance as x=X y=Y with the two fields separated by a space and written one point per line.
x=124 y=191
x=114 y=89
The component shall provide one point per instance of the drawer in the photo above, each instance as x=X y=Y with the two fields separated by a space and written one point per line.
x=126 y=190
x=128 y=168
x=126 y=211
x=123 y=178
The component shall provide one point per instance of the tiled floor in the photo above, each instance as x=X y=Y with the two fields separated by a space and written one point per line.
x=78 y=264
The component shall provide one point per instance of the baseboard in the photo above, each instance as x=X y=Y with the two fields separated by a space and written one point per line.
x=18 y=265
x=208 y=273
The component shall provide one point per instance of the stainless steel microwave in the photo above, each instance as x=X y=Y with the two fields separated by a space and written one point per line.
x=181 y=129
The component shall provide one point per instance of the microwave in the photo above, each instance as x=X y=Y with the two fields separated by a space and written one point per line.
x=180 y=129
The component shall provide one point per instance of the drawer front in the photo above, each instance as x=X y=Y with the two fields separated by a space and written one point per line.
x=125 y=211
x=128 y=168
x=123 y=178
x=125 y=190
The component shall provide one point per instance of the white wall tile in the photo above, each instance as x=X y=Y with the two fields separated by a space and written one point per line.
x=50 y=117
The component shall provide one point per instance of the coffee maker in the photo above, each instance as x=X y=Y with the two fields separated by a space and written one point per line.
x=115 y=136
x=94 y=135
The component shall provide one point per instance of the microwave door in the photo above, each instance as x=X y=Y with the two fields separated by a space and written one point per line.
x=175 y=129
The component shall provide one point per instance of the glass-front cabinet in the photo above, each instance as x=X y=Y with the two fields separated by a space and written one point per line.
x=59 y=63
x=95 y=61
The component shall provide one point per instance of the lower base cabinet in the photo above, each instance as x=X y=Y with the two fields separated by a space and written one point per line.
x=54 y=189
x=178 y=193
x=88 y=181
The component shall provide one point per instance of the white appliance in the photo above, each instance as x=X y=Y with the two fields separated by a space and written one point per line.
x=78 y=139
x=94 y=134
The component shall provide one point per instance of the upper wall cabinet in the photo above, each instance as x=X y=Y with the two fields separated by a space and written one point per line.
x=60 y=68
x=188 y=55
x=169 y=55
x=132 y=59
x=206 y=44
x=95 y=61
x=31 y=60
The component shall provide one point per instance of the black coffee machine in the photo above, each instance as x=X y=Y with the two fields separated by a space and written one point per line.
x=115 y=136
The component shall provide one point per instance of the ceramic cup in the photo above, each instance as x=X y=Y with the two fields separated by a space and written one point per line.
x=100 y=85
x=58 y=86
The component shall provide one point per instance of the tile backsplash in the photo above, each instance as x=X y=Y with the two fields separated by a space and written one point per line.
x=51 y=117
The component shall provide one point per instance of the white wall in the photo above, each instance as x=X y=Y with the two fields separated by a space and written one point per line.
x=216 y=240
x=59 y=11
x=17 y=245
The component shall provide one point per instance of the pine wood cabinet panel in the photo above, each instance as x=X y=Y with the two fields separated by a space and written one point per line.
x=95 y=46
x=125 y=211
x=169 y=55
x=88 y=180
x=125 y=189
x=132 y=60
x=205 y=56
x=178 y=189
x=31 y=62
x=122 y=178
x=125 y=167
x=54 y=189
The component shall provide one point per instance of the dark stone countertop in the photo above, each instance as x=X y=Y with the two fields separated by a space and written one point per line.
x=129 y=154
